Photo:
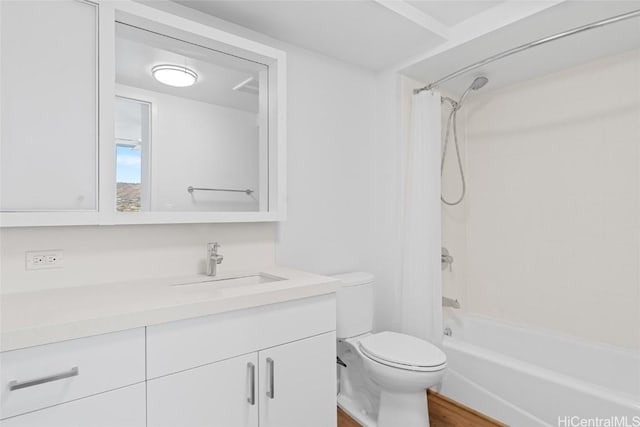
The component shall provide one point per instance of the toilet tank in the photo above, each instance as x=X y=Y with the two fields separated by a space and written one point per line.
x=354 y=304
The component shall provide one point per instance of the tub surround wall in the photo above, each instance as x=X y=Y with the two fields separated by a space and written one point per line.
x=454 y=231
x=552 y=218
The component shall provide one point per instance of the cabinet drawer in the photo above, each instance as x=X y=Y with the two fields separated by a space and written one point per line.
x=42 y=376
x=124 y=407
x=176 y=346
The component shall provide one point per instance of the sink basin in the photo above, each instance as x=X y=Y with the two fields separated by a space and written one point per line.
x=227 y=282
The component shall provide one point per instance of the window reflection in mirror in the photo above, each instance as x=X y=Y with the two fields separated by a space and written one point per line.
x=211 y=135
x=132 y=133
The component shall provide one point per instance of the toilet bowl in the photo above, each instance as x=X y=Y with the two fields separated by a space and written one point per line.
x=387 y=374
x=403 y=367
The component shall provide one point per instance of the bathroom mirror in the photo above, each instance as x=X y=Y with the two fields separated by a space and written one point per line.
x=191 y=127
x=145 y=117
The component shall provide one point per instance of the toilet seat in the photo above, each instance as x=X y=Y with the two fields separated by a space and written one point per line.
x=403 y=352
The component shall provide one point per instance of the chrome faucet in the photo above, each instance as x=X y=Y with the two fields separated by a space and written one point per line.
x=213 y=258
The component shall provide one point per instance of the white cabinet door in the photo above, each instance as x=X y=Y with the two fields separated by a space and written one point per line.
x=222 y=394
x=298 y=383
x=48 y=80
x=124 y=407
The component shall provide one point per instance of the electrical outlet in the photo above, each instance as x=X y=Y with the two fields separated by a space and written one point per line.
x=40 y=260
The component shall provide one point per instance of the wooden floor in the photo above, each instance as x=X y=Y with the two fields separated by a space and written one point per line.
x=443 y=412
x=345 y=420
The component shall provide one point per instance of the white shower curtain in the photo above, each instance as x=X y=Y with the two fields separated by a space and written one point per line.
x=420 y=274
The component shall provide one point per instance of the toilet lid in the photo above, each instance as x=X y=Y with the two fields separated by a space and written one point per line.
x=402 y=349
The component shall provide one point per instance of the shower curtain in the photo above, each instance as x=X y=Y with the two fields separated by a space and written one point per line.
x=420 y=274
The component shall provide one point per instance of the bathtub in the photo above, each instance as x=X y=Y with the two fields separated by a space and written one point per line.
x=526 y=377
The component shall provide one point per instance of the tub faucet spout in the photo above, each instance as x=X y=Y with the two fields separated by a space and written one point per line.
x=450 y=302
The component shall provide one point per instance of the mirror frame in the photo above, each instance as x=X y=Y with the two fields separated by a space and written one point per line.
x=153 y=19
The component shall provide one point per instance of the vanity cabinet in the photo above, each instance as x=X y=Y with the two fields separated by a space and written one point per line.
x=287 y=385
x=267 y=366
x=50 y=384
x=271 y=366
x=122 y=408
x=297 y=383
x=218 y=394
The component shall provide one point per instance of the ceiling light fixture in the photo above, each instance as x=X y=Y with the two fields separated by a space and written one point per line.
x=174 y=75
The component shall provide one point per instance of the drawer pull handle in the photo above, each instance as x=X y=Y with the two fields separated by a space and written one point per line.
x=270 y=390
x=252 y=383
x=15 y=385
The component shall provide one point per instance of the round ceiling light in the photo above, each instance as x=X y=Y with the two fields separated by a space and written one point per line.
x=174 y=75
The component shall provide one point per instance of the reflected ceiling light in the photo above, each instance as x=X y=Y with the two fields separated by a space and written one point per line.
x=174 y=75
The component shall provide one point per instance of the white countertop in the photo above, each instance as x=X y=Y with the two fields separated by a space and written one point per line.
x=42 y=317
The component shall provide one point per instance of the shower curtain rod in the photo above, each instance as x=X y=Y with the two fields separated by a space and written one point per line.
x=526 y=46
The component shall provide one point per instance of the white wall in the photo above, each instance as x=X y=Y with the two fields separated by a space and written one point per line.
x=331 y=136
x=343 y=165
x=343 y=175
x=553 y=213
x=94 y=255
x=342 y=194
x=384 y=237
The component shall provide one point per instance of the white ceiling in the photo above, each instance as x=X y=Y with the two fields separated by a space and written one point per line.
x=556 y=55
x=137 y=51
x=453 y=12
x=427 y=39
x=362 y=32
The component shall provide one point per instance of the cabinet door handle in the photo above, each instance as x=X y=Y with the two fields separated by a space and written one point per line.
x=15 y=385
x=251 y=368
x=270 y=388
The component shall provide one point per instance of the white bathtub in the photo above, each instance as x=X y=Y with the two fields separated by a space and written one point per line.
x=527 y=377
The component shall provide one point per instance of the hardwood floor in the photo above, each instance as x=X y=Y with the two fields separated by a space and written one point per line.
x=443 y=412
x=345 y=420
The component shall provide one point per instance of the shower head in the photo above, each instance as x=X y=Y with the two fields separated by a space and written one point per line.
x=479 y=82
x=476 y=84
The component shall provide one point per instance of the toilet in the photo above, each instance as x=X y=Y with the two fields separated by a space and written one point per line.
x=386 y=375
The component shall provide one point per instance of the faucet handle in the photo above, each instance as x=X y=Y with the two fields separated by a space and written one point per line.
x=213 y=247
